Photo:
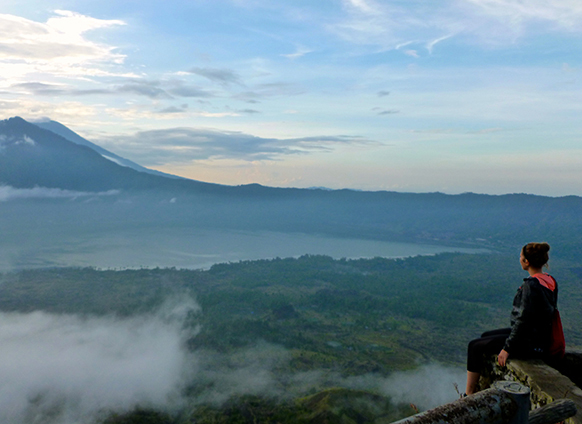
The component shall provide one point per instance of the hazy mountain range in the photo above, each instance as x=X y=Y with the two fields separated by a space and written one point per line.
x=51 y=178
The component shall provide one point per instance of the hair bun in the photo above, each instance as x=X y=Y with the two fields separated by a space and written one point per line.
x=536 y=253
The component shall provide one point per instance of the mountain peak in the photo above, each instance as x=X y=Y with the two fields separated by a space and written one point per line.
x=63 y=131
x=63 y=159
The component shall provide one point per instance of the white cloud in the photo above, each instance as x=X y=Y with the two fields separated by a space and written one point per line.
x=57 y=47
x=7 y=140
x=66 y=369
x=388 y=26
x=431 y=44
x=299 y=52
x=362 y=5
x=565 y=14
x=9 y=193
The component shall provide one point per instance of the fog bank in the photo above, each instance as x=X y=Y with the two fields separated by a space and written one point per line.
x=64 y=368
x=263 y=370
x=68 y=369
x=9 y=193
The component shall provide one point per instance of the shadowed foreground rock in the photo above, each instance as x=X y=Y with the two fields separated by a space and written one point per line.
x=547 y=384
x=508 y=404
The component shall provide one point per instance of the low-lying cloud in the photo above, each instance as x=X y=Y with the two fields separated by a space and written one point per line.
x=9 y=193
x=66 y=369
x=71 y=369
x=262 y=370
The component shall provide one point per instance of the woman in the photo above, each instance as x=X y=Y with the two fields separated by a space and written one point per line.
x=531 y=319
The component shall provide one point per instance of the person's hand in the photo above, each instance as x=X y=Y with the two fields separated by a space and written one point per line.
x=502 y=357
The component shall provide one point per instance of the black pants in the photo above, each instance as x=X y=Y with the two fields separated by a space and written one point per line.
x=489 y=343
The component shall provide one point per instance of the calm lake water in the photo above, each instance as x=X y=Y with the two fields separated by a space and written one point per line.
x=192 y=248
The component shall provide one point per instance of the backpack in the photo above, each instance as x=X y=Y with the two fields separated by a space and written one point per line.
x=557 y=341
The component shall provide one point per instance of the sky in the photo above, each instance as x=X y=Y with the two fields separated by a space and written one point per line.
x=453 y=96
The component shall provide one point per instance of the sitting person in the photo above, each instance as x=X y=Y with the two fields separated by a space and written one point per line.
x=531 y=319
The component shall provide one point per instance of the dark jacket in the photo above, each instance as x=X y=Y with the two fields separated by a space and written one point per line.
x=531 y=318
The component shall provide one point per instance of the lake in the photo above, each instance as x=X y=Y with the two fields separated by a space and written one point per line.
x=191 y=248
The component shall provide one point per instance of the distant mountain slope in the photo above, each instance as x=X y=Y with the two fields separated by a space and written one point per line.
x=70 y=135
x=32 y=156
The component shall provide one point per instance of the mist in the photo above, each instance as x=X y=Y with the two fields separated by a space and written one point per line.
x=262 y=370
x=8 y=193
x=66 y=369
x=71 y=369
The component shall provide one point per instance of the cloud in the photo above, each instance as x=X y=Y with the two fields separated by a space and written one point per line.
x=563 y=14
x=249 y=111
x=63 y=111
x=361 y=5
x=258 y=370
x=181 y=89
x=383 y=93
x=427 y=387
x=174 y=109
x=15 y=141
x=149 y=89
x=8 y=193
x=221 y=76
x=43 y=89
x=67 y=369
x=157 y=89
x=300 y=52
x=57 y=47
x=274 y=89
x=251 y=371
x=188 y=144
x=430 y=45
x=388 y=25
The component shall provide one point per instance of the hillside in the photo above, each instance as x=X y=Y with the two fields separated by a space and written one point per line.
x=292 y=329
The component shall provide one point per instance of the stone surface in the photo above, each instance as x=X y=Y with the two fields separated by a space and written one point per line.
x=546 y=383
x=571 y=366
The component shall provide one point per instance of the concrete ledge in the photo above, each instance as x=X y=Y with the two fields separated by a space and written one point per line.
x=547 y=384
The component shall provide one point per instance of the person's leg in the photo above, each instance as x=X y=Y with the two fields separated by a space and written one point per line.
x=472 y=382
x=492 y=343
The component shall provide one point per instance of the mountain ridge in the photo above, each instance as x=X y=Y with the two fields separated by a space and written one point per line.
x=67 y=133
x=34 y=156
x=16 y=128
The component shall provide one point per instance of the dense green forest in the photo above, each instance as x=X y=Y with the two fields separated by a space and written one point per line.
x=353 y=317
